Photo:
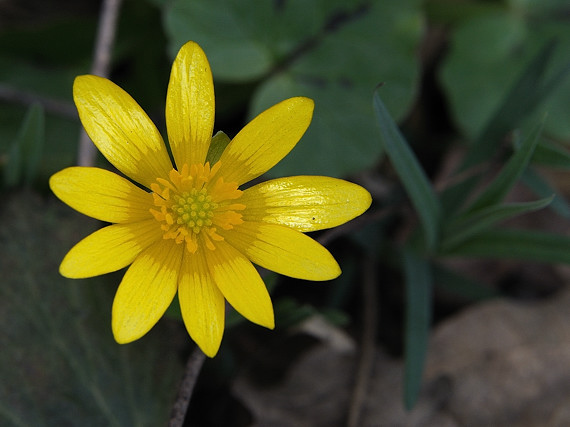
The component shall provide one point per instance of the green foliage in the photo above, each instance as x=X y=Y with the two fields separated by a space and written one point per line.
x=39 y=61
x=59 y=363
x=219 y=142
x=528 y=91
x=543 y=188
x=468 y=226
x=488 y=49
x=470 y=232
x=516 y=244
x=461 y=285
x=552 y=155
x=24 y=156
x=505 y=67
x=419 y=283
x=334 y=52
x=513 y=169
x=410 y=172
x=35 y=68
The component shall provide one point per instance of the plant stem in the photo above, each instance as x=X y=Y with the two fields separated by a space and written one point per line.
x=101 y=61
x=366 y=363
x=193 y=367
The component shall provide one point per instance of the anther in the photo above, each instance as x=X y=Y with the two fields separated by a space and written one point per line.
x=192 y=205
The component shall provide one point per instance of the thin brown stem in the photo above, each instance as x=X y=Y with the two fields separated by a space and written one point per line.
x=193 y=368
x=366 y=363
x=101 y=61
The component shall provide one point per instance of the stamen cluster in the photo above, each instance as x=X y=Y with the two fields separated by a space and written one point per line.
x=192 y=206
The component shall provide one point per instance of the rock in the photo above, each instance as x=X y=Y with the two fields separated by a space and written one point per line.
x=506 y=362
x=317 y=389
x=495 y=364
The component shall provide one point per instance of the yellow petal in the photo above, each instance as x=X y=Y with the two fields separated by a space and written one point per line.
x=239 y=282
x=201 y=303
x=101 y=194
x=190 y=106
x=146 y=291
x=109 y=249
x=305 y=203
x=264 y=141
x=120 y=129
x=283 y=250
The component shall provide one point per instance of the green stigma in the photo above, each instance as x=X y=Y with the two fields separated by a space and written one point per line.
x=194 y=209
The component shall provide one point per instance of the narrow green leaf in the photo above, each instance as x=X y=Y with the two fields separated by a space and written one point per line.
x=526 y=94
x=516 y=244
x=458 y=284
x=509 y=175
x=26 y=151
x=33 y=142
x=410 y=172
x=542 y=188
x=289 y=312
x=418 y=278
x=453 y=198
x=13 y=167
x=466 y=226
x=549 y=154
x=219 y=143
x=173 y=311
x=452 y=13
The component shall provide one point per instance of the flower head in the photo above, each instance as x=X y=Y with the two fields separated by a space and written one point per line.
x=188 y=228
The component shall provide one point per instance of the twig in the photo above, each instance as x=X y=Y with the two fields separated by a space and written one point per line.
x=366 y=362
x=101 y=60
x=193 y=367
x=51 y=105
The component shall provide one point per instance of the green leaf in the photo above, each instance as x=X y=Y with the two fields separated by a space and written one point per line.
x=219 y=143
x=289 y=312
x=334 y=52
x=418 y=277
x=452 y=13
x=59 y=363
x=531 y=88
x=26 y=151
x=228 y=31
x=516 y=244
x=510 y=173
x=542 y=188
x=454 y=197
x=13 y=166
x=458 y=284
x=523 y=97
x=487 y=51
x=410 y=172
x=33 y=142
x=551 y=155
x=472 y=223
x=39 y=62
x=42 y=44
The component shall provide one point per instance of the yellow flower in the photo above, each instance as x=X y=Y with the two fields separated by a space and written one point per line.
x=195 y=232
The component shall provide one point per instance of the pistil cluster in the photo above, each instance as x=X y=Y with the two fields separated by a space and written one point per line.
x=194 y=209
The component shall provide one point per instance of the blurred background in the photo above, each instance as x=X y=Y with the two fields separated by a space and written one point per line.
x=452 y=308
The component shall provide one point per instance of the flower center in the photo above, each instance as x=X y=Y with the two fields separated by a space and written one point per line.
x=191 y=205
x=195 y=209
